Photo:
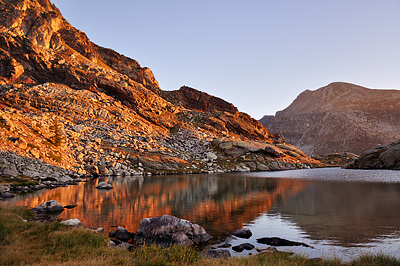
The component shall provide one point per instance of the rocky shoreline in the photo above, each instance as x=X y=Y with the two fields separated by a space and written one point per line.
x=165 y=231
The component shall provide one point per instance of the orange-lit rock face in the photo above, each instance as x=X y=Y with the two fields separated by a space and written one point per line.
x=219 y=204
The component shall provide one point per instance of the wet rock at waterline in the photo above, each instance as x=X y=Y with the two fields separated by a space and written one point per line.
x=242 y=233
x=244 y=246
x=6 y=194
x=168 y=230
x=104 y=185
x=70 y=206
x=51 y=206
x=276 y=241
x=225 y=245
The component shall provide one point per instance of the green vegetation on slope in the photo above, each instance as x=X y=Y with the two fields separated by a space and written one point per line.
x=33 y=243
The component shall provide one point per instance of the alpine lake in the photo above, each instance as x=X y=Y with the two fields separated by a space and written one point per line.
x=340 y=213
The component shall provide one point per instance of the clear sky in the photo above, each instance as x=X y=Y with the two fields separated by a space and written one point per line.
x=258 y=55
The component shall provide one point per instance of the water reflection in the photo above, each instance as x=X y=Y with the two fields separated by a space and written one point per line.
x=348 y=213
x=309 y=206
x=218 y=203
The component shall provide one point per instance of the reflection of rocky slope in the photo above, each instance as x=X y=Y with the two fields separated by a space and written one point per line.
x=114 y=118
x=218 y=203
x=340 y=117
x=383 y=157
x=349 y=213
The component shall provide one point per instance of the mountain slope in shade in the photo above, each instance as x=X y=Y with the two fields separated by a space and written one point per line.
x=340 y=117
x=113 y=116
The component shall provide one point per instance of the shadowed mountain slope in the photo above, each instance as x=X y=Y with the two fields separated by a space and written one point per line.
x=340 y=117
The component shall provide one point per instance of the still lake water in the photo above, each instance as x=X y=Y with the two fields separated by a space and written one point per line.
x=341 y=213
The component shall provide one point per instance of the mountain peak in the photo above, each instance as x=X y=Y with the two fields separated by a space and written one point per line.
x=340 y=117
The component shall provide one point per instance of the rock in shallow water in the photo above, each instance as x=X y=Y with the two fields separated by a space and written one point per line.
x=241 y=247
x=242 y=233
x=276 y=241
x=168 y=230
x=104 y=185
x=48 y=207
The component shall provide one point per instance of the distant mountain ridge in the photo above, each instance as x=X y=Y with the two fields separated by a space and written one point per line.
x=339 y=117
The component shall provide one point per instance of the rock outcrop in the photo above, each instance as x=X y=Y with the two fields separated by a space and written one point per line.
x=68 y=102
x=340 y=117
x=168 y=230
x=382 y=157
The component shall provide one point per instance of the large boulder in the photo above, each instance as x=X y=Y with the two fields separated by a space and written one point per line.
x=50 y=206
x=168 y=230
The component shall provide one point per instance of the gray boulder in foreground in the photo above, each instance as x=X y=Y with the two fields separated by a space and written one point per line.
x=383 y=157
x=72 y=222
x=48 y=207
x=168 y=230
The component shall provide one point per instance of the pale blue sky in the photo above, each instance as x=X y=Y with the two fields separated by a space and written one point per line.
x=258 y=55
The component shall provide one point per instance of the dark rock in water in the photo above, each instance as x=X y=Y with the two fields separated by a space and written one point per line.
x=225 y=245
x=386 y=157
x=247 y=246
x=242 y=233
x=241 y=247
x=6 y=194
x=276 y=241
x=216 y=253
x=168 y=230
x=104 y=185
x=49 y=207
x=122 y=234
x=70 y=206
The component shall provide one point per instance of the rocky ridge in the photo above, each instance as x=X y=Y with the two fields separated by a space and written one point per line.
x=340 y=117
x=382 y=157
x=109 y=114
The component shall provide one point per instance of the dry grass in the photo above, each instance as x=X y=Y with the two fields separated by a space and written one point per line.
x=32 y=243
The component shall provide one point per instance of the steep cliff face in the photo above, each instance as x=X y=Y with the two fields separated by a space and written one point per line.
x=110 y=108
x=340 y=117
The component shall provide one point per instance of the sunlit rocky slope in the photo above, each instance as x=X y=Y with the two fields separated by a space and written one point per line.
x=112 y=115
x=340 y=117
